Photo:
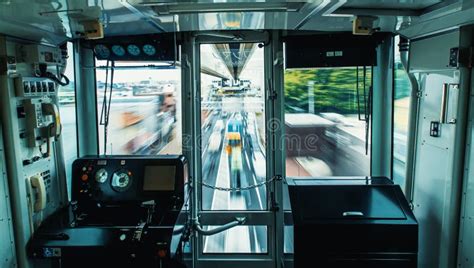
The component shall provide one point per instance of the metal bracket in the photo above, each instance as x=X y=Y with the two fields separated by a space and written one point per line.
x=461 y=57
x=238 y=221
x=274 y=206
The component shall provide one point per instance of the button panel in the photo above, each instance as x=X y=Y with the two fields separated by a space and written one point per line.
x=34 y=87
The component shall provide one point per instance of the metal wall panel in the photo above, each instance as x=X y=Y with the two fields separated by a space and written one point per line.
x=439 y=160
x=433 y=181
x=466 y=232
x=432 y=54
x=7 y=244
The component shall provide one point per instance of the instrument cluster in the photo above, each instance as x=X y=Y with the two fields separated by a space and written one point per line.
x=157 y=48
x=114 y=180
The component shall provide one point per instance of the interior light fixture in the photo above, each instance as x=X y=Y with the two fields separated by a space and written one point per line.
x=188 y=8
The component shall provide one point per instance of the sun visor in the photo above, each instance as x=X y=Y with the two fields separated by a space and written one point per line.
x=331 y=50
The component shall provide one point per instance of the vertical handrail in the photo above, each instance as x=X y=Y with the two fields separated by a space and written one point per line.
x=444 y=103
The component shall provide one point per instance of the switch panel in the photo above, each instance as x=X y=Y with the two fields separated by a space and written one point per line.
x=34 y=87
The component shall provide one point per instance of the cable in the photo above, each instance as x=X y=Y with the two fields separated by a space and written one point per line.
x=107 y=113
x=58 y=80
x=104 y=102
x=43 y=72
x=103 y=112
x=112 y=71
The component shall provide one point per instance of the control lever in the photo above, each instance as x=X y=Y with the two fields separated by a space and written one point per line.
x=150 y=207
x=141 y=228
x=74 y=212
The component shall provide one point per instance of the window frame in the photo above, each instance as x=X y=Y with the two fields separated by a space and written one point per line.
x=264 y=217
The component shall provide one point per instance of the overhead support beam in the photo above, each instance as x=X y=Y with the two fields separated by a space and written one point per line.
x=235 y=56
x=324 y=5
x=312 y=14
x=442 y=8
x=143 y=16
x=191 y=8
x=376 y=12
x=208 y=71
x=442 y=5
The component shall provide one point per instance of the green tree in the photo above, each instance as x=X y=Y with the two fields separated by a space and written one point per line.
x=334 y=89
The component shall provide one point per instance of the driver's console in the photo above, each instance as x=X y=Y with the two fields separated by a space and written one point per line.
x=124 y=212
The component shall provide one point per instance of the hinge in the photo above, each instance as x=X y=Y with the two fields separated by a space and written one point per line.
x=419 y=94
x=272 y=95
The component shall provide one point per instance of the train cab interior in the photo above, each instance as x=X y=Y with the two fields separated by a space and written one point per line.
x=206 y=133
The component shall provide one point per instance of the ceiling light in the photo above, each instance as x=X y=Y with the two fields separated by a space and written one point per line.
x=165 y=8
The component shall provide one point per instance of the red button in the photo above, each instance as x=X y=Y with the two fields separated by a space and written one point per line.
x=84 y=177
x=161 y=253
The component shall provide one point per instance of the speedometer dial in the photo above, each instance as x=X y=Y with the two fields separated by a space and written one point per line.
x=149 y=50
x=121 y=181
x=134 y=50
x=101 y=175
x=102 y=51
x=118 y=50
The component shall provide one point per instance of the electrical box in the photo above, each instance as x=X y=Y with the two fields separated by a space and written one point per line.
x=39 y=54
x=363 y=25
x=37 y=122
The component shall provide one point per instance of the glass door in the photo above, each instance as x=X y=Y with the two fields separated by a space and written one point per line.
x=234 y=181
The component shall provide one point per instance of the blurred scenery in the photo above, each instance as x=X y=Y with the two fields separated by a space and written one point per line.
x=329 y=106
x=145 y=110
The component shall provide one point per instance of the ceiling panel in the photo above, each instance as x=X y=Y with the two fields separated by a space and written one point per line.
x=57 y=20
x=392 y=4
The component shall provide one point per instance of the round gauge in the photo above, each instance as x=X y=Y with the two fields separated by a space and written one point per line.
x=118 y=50
x=101 y=175
x=121 y=181
x=134 y=50
x=102 y=51
x=149 y=50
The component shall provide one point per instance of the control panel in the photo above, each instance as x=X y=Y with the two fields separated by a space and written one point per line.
x=34 y=87
x=33 y=131
x=120 y=180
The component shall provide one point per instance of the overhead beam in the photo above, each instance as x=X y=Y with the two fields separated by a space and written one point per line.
x=376 y=11
x=208 y=71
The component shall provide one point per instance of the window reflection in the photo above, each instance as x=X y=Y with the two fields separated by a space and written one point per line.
x=67 y=110
x=401 y=115
x=240 y=239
